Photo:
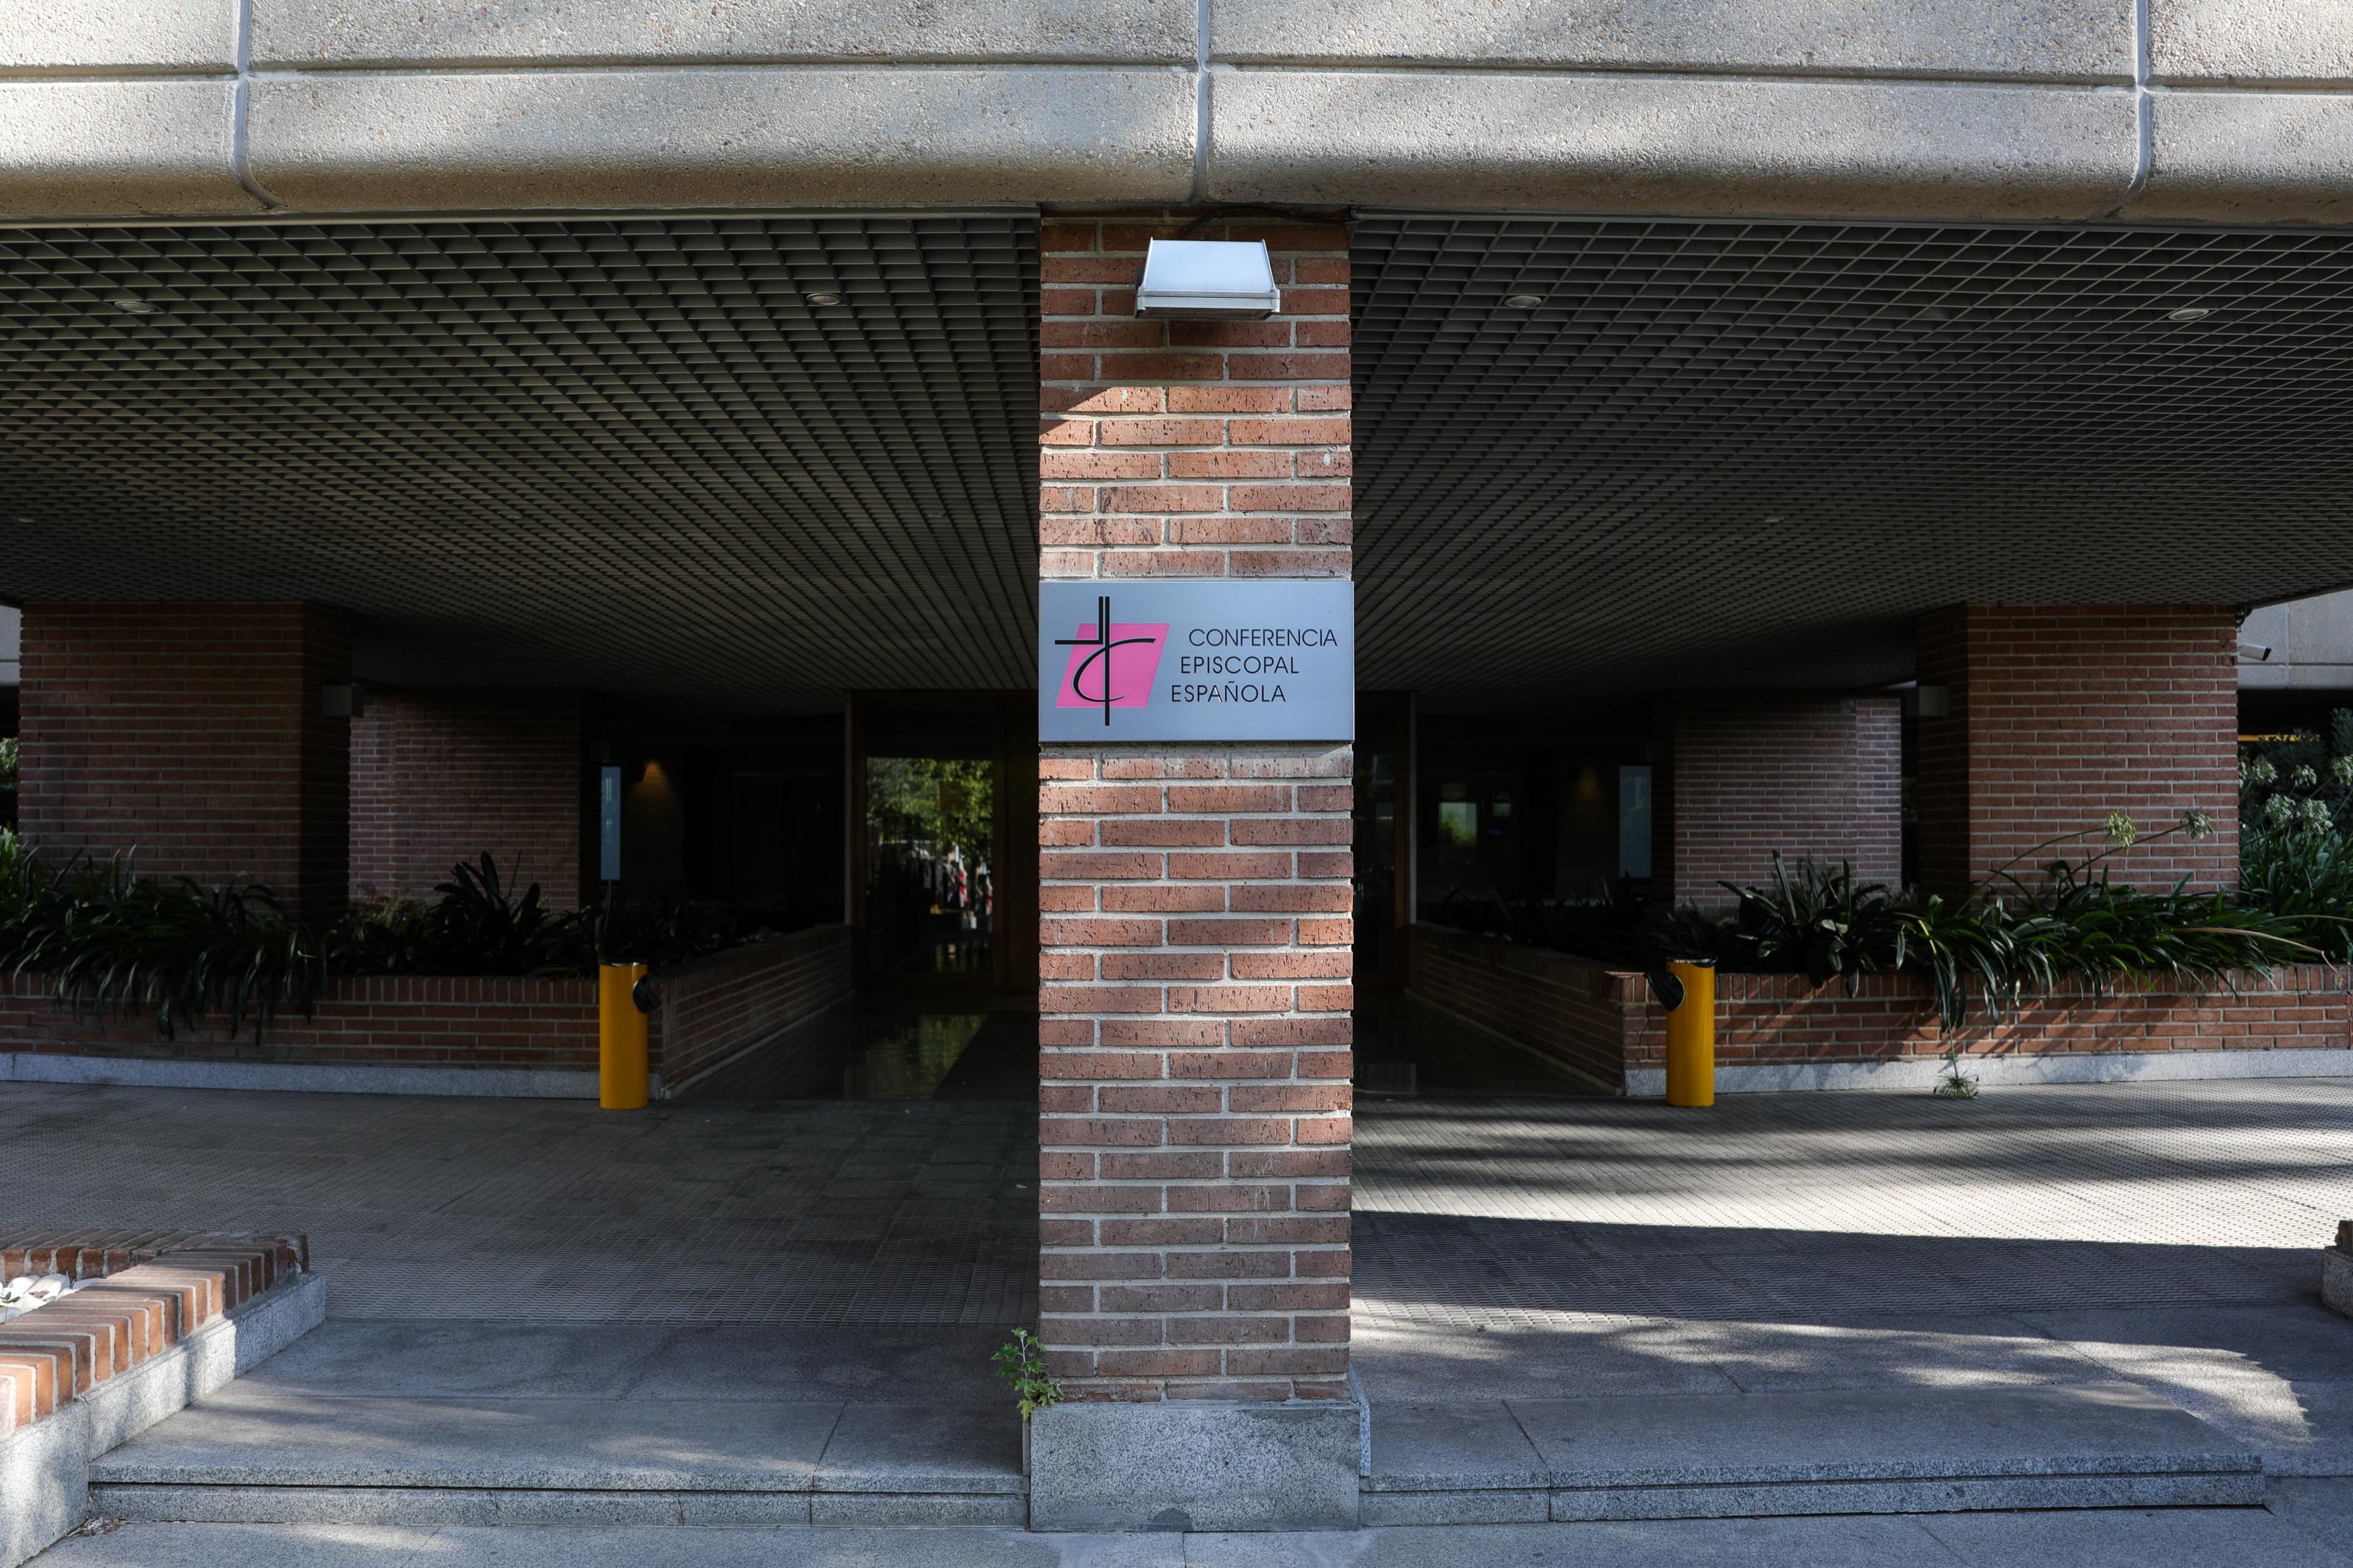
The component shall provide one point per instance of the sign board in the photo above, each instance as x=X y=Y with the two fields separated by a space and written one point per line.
x=608 y=825
x=1257 y=659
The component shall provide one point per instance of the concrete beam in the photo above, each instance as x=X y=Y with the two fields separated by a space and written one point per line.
x=120 y=36
x=2274 y=43
x=2023 y=40
x=780 y=136
x=1685 y=144
x=120 y=147
x=312 y=34
x=2248 y=157
x=2311 y=642
x=1954 y=110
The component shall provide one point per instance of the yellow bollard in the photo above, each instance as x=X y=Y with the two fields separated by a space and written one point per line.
x=1691 y=1035
x=621 y=1039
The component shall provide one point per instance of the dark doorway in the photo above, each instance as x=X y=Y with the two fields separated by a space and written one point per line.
x=943 y=873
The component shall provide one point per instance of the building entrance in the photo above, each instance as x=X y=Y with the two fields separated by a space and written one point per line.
x=943 y=873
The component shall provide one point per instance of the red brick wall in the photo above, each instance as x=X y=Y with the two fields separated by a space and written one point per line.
x=432 y=1021
x=1813 y=776
x=717 y=1008
x=440 y=776
x=1778 y=1019
x=1569 y=1009
x=193 y=734
x=1194 y=983
x=149 y=1290
x=1601 y=1018
x=710 y=1010
x=2061 y=715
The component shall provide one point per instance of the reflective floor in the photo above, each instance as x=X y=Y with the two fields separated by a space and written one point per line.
x=879 y=1049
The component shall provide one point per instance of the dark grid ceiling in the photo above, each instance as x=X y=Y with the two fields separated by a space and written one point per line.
x=622 y=453
x=629 y=453
x=1748 y=454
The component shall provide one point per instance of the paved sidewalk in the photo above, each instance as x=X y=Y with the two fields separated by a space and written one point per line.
x=1609 y=1252
x=2307 y=1525
x=2167 y=1234
x=688 y=1212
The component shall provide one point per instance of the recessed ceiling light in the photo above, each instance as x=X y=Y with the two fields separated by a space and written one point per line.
x=131 y=305
x=2190 y=314
x=824 y=296
x=1523 y=302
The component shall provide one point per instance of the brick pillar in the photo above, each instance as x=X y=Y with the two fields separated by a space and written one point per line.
x=440 y=776
x=1814 y=775
x=194 y=736
x=1196 y=932
x=2058 y=715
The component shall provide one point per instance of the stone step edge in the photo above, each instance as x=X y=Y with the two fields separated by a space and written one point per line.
x=2180 y=1462
x=158 y=1477
x=144 y=1292
x=45 y=1466
x=427 y=1506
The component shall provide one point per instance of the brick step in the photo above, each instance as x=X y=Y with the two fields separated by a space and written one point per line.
x=272 y=1455
x=1922 y=1450
x=143 y=1292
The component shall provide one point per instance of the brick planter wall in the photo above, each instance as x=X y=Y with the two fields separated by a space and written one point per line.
x=380 y=1021
x=1776 y=1018
x=1601 y=1021
x=1570 y=1012
x=712 y=1009
x=717 y=1008
x=159 y=1286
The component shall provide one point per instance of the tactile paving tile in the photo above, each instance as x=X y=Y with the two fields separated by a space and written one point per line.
x=1825 y=1208
x=694 y=1212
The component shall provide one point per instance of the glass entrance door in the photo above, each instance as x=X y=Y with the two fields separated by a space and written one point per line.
x=943 y=876
x=930 y=836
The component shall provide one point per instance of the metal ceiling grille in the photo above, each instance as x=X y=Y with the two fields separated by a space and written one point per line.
x=1750 y=453
x=626 y=453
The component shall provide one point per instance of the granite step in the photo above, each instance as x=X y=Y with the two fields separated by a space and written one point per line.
x=275 y=1455
x=1711 y=1455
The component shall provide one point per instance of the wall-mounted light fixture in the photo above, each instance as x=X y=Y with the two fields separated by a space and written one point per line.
x=343 y=701
x=1207 y=279
x=1929 y=702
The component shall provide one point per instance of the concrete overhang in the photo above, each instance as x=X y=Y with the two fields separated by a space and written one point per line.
x=2175 y=110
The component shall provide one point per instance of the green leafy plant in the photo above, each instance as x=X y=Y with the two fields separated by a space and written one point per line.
x=1021 y=1362
x=109 y=942
x=2015 y=932
x=1817 y=920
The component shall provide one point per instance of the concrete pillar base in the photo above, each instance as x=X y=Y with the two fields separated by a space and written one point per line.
x=2336 y=1277
x=1196 y=1465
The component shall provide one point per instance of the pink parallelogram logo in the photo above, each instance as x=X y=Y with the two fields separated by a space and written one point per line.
x=1112 y=663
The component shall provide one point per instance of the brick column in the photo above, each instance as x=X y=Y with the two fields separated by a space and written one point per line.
x=192 y=735
x=1196 y=928
x=440 y=776
x=1817 y=776
x=2058 y=715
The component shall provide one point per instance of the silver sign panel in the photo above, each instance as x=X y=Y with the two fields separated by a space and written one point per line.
x=1259 y=659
